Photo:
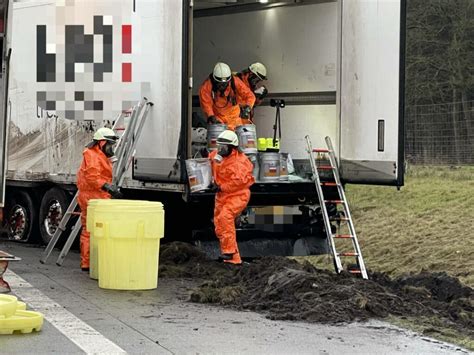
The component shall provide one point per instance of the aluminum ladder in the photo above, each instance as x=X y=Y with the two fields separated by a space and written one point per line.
x=345 y=216
x=124 y=152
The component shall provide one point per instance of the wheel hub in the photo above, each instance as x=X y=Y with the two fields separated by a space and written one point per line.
x=53 y=218
x=17 y=222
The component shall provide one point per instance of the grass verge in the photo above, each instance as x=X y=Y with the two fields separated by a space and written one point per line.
x=426 y=226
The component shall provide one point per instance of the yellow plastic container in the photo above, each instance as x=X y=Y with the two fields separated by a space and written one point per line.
x=8 y=305
x=20 y=306
x=22 y=321
x=271 y=147
x=128 y=240
x=93 y=252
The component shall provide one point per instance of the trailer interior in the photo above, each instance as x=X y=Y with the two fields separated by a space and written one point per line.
x=297 y=42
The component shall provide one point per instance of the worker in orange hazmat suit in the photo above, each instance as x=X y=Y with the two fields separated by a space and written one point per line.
x=252 y=77
x=94 y=181
x=232 y=172
x=224 y=98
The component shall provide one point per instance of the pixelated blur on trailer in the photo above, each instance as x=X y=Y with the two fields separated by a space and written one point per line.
x=83 y=52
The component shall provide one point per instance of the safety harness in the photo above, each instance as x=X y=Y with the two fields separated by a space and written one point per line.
x=232 y=99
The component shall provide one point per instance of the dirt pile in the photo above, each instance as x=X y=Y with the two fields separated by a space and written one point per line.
x=183 y=260
x=285 y=289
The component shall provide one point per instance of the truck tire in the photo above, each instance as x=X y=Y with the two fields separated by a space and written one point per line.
x=21 y=217
x=53 y=206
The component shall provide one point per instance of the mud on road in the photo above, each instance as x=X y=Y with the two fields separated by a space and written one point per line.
x=285 y=289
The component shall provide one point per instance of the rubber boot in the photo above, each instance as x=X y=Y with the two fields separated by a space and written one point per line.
x=236 y=260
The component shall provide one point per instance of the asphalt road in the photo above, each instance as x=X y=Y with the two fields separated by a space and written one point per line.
x=82 y=318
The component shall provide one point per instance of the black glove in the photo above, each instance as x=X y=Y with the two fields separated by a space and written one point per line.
x=261 y=93
x=113 y=190
x=245 y=111
x=214 y=188
x=212 y=120
x=204 y=152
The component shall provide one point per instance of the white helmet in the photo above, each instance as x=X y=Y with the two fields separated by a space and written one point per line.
x=228 y=137
x=105 y=133
x=221 y=72
x=259 y=70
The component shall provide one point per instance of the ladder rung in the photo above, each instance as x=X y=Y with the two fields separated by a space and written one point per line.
x=320 y=150
x=336 y=219
x=119 y=129
x=328 y=184
x=355 y=271
x=343 y=236
x=325 y=167
x=348 y=254
x=76 y=213
x=334 y=201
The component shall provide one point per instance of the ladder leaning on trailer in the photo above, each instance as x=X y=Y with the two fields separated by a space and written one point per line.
x=341 y=218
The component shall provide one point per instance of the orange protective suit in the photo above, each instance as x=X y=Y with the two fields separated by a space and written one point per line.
x=95 y=171
x=234 y=177
x=226 y=108
x=244 y=77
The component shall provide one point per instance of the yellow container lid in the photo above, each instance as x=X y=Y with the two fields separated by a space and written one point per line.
x=20 y=306
x=8 y=305
x=23 y=321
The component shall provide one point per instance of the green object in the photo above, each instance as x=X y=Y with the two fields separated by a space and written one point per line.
x=273 y=147
x=262 y=144
x=266 y=145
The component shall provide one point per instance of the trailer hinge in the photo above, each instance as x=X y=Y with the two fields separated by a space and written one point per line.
x=190 y=82
x=191 y=3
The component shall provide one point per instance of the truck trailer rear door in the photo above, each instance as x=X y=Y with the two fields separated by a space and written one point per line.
x=5 y=59
x=163 y=25
x=371 y=90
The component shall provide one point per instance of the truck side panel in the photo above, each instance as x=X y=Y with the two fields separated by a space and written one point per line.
x=91 y=60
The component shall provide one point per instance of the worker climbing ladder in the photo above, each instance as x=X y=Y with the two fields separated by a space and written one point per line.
x=345 y=216
x=128 y=133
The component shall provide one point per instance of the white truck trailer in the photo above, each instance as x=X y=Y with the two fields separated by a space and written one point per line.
x=69 y=66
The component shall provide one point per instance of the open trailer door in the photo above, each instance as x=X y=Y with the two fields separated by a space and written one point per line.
x=5 y=60
x=371 y=90
x=162 y=61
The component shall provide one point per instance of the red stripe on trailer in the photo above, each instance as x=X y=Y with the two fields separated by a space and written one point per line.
x=320 y=150
x=126 y=72
x=126 y=38
x=325 y=167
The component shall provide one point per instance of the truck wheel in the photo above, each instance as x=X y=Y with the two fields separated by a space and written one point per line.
x=53 y=206
x=21 y=217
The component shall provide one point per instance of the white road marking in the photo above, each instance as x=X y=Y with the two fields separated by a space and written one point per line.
x=80 y=333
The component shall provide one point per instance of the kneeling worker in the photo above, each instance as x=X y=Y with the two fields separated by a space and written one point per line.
x=94 y=181
x=224 y=98
x=232 y=172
